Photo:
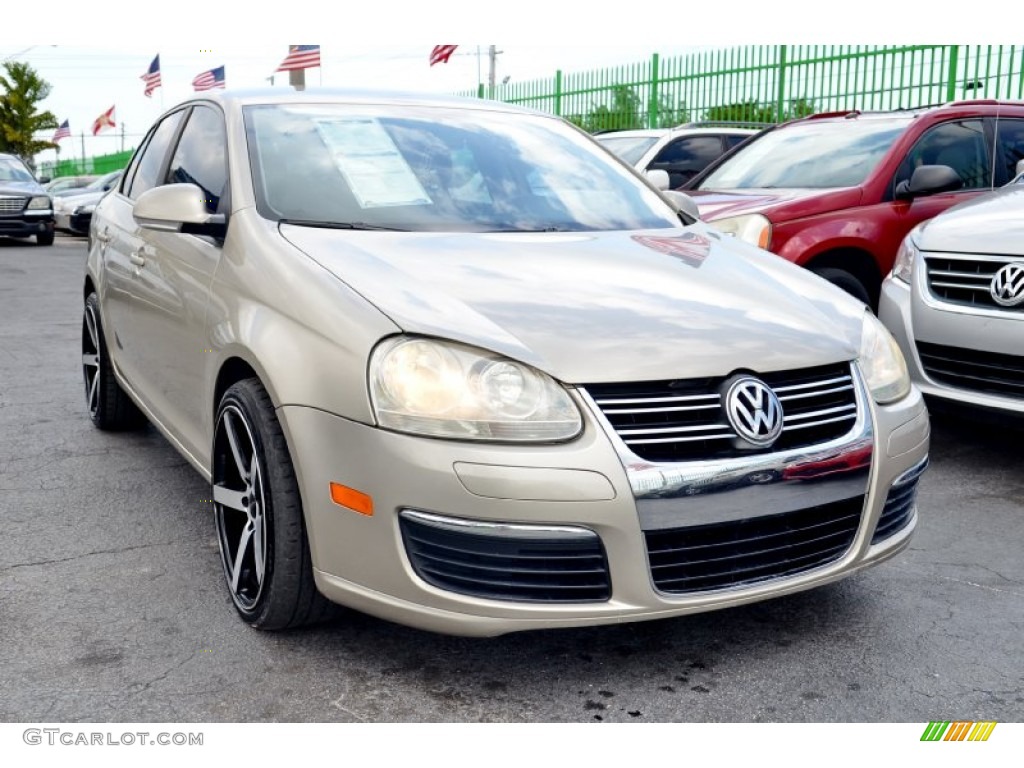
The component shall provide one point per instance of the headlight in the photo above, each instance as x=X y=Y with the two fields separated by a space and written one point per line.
x=752 y=228
x=882 y=363
x=903 y=268
x=443 y=389
x=38 y=203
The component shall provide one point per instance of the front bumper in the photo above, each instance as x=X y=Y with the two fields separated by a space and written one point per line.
x=27 y=224
x=912 y=318
x=362 y=561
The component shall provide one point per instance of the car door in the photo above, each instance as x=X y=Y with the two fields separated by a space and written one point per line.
x=116 y=234
x=175 y=278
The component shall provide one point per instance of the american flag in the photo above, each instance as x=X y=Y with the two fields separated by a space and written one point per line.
x=152 y=77
x=64 y=132
x=212 y=78
x=441 y=53
x=300 y=57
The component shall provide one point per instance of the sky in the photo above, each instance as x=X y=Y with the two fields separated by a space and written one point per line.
x=95 y=60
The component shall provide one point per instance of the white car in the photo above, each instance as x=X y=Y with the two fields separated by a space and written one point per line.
x=682 y=152
x=955 y=303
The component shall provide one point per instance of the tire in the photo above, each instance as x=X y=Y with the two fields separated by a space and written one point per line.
x=258 y=514
x=45 y=238
x=845 y=280
x=109 y=406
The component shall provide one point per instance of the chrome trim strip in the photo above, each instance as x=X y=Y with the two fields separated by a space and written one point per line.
x=663 y=410
x=509 y=530
x=817 y=393
x=823 y=412
x=812 y=385
x=723 y=436
x=639 y=400
x=911 y=475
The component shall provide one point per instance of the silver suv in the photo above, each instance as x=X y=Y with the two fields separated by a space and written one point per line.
x=955 y=302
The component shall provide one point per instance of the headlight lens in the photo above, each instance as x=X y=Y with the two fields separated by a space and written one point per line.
x=903 y=268
x=443 y=389
x=882 y=363
x=752 y=228
x=39 y=203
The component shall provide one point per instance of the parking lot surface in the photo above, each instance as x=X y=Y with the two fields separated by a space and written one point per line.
x=112 y=606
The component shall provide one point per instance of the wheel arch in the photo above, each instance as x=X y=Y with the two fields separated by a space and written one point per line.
x=858 y=262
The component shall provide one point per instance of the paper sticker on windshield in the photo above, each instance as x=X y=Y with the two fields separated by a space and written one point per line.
x=375 y=170
x=689 y=246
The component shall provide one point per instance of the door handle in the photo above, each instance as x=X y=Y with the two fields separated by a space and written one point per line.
x=104 y=236
x=138 y=258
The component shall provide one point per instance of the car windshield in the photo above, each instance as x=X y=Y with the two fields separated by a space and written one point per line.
x=12 y=170
x=814 y=155
x=629 y=148
x=439 y=169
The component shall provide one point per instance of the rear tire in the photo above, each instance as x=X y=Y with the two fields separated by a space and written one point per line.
x=109 y=406
x=848 y=282
x=258 y=513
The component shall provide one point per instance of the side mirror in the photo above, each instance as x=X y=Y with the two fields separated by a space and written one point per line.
x=929 y=180
x=658 y=178
x=682 y=203
x=178 y=208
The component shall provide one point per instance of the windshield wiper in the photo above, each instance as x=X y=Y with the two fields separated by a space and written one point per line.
x=356 y=225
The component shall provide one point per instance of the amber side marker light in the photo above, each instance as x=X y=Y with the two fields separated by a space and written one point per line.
x=352 y=499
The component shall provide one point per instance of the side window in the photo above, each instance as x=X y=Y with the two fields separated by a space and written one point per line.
x=201 y=156
x=685 y=158
x=1010 y=140
x=129 y=172
x=731 y=141
x=960 y=145
x=147 y=173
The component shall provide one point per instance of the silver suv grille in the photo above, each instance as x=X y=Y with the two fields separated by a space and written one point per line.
x=12 y=204
x=965 y=280
x=684 y=420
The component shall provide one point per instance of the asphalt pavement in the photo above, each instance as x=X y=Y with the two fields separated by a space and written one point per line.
x=113 y=608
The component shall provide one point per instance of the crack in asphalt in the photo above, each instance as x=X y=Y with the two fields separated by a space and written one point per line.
x=86 y=554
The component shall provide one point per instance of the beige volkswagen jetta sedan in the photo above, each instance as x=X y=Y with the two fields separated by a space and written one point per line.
x=450 y=363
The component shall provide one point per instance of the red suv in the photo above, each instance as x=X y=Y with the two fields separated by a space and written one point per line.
x=837 y=192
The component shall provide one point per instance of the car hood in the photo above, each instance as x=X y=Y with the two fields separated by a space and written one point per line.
x=599 y=306
x=21 y=188
x=777 y=204
x=992 y=224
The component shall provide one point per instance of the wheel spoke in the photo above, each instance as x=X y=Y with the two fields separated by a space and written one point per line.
x=90 y=322
x=90 y=360
x=94 y=392
x=229 y=429
x=243 y=544
x=258 y=541
x=229 y=498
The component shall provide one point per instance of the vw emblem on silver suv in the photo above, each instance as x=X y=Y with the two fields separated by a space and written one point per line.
x=754 y=411
x=1007 y=286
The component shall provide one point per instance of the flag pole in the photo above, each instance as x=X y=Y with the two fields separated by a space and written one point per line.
x=82 y=134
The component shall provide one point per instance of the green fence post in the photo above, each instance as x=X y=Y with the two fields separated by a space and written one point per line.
x=479 y=90
x=652 y=96
x=558 y=92
x=780 y=103
x=951 y=83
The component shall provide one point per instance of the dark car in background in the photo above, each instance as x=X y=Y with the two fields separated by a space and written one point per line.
x=682 y=152
x=838 y=192
x=25 y=208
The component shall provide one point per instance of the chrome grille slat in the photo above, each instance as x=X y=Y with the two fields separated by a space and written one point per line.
x=12 y=204
x=685 y=420
x=964 y=279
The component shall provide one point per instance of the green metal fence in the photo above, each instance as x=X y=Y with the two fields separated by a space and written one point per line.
x=772 y=83
x=85 y=166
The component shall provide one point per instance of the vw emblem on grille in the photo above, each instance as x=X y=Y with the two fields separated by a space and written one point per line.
x=754 y=411
x=1007 y=287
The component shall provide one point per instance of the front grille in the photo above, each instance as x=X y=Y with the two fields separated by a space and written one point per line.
x=743 y=552
x=548 y=565
x=899 y=504
x=972 y=369
x=12 y=204
x=965 y=280
x=684 y=420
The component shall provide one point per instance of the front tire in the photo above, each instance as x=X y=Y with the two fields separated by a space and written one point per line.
x=45 y=238
x=258 y=513
x=848 y=282
x=109 y=406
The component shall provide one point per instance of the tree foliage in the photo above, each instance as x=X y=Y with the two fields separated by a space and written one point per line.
x=626 y=110
x=21 y=90
x=753 y=111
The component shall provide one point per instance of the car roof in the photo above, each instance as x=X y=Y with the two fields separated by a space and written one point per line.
x=679 y=131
